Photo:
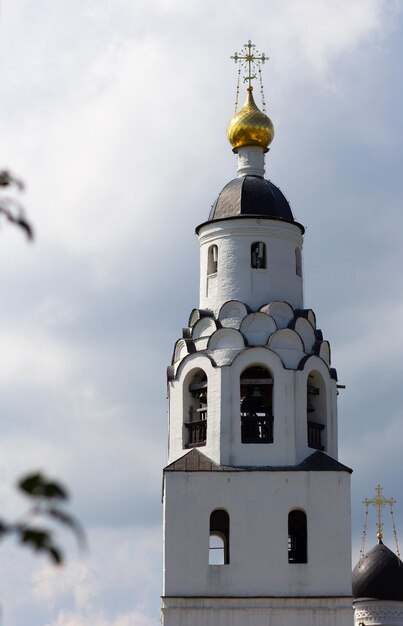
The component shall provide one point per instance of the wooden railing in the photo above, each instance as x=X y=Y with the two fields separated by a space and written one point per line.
x=315 y=435
x=197 y=430
x=257 y=429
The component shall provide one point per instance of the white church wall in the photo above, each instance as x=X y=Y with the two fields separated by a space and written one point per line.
x=288 y=345
x=232 y=313
x=323 y=611
x=258 y=503
x=306 y=331
x=235 y=279
x=257 y=328
x=378 y=612
x=281 y=312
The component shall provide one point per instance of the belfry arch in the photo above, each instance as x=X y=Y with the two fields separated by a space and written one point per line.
x=317 y=411
x=256 y=405
x=195 y=409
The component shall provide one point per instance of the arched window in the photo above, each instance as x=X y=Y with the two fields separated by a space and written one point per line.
x=258 y=255
x=195 y=407
x=298 y=262
x=316 y=411
x=212 y=260
x=256 y=405
x=219 y=538
x=297 y=537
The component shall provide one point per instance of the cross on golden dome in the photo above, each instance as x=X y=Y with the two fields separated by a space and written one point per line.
x=250 y=126
x=249 y=59
x=379 y=502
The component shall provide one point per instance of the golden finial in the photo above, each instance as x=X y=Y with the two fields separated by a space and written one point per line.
x=378 y=502
x=250 y=126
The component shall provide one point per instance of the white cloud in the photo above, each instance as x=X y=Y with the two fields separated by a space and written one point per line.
x=133 y=618
x=322 y=31
x=34 y=356
x=88 y=586
x=77 y=579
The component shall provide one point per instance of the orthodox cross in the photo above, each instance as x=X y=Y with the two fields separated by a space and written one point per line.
x=250 y=59
x=378 y=502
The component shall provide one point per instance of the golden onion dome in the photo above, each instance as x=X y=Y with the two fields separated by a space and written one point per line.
x=250 y=126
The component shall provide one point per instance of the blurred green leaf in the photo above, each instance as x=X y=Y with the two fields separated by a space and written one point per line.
x=7 y=179
x=10 y=207
x=37 y=539
x=36 y=486
x=40 y=540
x=4 y=528
x=56 y=555
x=69 y=520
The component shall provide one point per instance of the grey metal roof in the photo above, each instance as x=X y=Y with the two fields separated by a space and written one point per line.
x=251 y=195
x=378 y=575
x=196 y=461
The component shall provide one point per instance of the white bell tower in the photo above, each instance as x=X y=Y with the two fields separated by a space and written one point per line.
x=256 y=503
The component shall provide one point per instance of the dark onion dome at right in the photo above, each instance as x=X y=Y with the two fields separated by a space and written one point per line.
x=251 y=196
x=379 y=575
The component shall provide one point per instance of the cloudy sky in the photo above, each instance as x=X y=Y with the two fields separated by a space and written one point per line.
x=114 y=114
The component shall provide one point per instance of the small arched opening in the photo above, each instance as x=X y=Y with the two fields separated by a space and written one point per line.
x=195 y=410
x=256 y=392
x=298 y=262
x=316 y=411
x=297 y=537
x=258 y=255
x=219 y=538
x=212 y=260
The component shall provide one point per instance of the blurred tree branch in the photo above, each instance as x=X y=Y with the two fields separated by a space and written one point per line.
x=47 y=499
x=12 y=210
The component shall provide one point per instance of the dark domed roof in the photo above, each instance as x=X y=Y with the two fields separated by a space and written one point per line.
x=379 y=575
x=251 y=195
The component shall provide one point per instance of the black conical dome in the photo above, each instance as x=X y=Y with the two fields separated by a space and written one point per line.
x=378 y=575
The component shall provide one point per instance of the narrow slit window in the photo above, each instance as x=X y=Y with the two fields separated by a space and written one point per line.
x=212 y=262
x=219 y=538
x=298 y=262
x=258 y=255
x=297 y=537
x=316 y=412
